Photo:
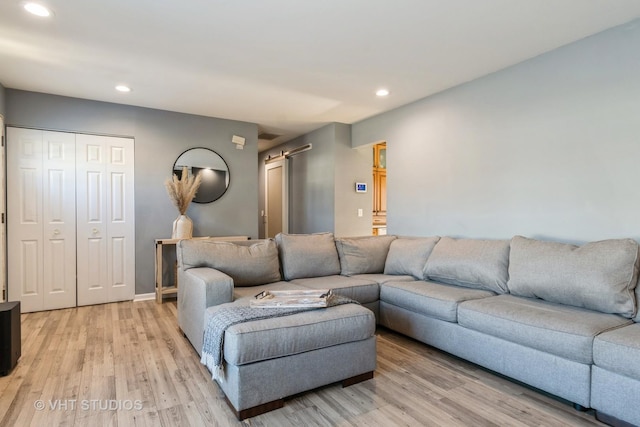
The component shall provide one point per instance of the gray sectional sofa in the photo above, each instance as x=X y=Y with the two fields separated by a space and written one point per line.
x=559 y=317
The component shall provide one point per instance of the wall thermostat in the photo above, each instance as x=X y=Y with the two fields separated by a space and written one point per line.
x=361 y=187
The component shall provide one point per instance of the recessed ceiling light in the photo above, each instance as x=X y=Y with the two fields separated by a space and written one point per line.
x=37 y=9
x=382 y=92
x=123 y=88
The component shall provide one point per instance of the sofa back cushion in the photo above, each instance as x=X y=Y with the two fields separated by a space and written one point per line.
x=308 y=255
x=408 y=255
x=637 y=292
x=362 y=255
x=247 y=264
x=599 y=276
x=474 y=263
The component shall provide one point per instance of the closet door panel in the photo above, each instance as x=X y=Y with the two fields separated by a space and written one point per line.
x=59 y=220
x=91 y=225
x=41 y=214
x=121 y=221
x=24 y=216
x=105 y=219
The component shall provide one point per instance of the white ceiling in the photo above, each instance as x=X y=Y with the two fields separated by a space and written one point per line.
x=290 y=66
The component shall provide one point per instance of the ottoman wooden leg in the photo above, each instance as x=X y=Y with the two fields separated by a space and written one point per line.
x=357 y=379
x=256 y=410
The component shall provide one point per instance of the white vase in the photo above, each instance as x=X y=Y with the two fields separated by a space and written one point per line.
x=182 y=228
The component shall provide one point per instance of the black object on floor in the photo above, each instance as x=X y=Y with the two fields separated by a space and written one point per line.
x=10 y=336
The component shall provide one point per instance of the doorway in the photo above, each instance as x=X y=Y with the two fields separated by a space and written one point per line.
x=380 y=189
x=276 y=178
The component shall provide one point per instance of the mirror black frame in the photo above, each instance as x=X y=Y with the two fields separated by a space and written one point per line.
x=213 y=187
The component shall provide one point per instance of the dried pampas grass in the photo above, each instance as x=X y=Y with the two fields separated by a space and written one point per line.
x=182 y=191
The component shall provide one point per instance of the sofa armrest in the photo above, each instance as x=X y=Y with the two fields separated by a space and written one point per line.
x=199 y=289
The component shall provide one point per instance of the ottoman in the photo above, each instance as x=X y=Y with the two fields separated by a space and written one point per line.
x=266 y=361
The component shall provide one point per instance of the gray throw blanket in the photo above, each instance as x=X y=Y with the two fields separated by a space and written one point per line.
x=212 y=347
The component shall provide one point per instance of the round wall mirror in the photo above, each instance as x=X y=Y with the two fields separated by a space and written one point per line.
x=211 y=166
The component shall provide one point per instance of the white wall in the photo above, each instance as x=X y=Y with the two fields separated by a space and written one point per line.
x=548 y=148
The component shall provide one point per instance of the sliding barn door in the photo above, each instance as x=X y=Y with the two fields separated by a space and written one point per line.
x=105 y=219
x=41 y=239
x=276 y=190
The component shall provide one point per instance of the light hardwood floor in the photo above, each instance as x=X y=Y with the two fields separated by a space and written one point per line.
x=99 y=358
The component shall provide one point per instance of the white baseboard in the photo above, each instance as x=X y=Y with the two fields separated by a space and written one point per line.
x=144 y=297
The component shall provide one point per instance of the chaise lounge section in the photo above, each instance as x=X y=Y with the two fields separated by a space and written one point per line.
x=555 y=316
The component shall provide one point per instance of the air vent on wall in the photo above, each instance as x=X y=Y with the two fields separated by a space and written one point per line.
x=267 y=136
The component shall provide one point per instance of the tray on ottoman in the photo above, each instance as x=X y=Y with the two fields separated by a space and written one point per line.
x=312 y=298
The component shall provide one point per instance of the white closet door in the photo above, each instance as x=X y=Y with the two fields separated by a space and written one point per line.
x=121 y=219
x=41 y=214
x=59 y=214
x=105 y=219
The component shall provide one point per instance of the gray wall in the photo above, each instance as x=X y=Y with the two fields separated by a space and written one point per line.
x=321 y=183
x=310 y=182
x=3 y=107
x=351 y=166
x=160 y=137
x=548 y=148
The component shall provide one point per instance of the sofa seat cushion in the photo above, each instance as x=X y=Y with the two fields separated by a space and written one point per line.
x=557 y=329
x=362 y=290
x=618 y=351
x=265 y=339
x=429 y=298
x=384 y=278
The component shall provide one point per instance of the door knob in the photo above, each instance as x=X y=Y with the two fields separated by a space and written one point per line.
x=56 y=231
x=94 y=231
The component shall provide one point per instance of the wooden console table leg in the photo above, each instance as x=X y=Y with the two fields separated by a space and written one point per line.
x=159 y=273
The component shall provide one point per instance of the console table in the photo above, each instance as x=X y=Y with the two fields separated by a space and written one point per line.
x=161 y=244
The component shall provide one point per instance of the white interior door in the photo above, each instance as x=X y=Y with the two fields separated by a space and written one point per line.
x=276 y=197
x=59 y=220
x=121 y=219
x=105 y=219
x=41 y=211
